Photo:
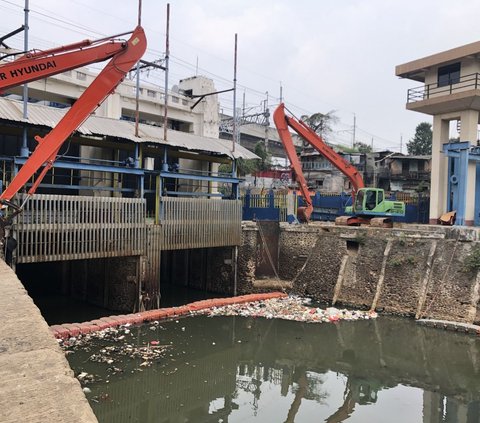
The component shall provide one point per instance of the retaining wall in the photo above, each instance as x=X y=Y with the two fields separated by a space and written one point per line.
x=416 y=270
x=37 y=384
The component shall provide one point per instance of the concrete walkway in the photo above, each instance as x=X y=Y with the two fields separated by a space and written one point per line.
x=36 y=382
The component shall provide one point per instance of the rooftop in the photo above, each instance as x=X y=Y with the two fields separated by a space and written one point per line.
x=40 y=115
x=416 y=68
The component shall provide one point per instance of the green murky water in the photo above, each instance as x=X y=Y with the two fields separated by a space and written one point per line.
x=231 y=369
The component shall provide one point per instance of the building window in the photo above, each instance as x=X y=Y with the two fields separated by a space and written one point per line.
x=151 y=93
x=81 y=76
x=448 y=75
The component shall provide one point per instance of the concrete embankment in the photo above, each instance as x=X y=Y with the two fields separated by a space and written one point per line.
x=416 y=270
x=37 y=384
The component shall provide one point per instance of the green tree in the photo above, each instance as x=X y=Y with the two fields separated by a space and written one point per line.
x=248 y=166
x=265 y=161
x=321 y=123
x=421 y=143
x=244 y=167
x=362 y=147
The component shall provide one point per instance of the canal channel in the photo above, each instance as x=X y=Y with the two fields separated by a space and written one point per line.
x=242 y=369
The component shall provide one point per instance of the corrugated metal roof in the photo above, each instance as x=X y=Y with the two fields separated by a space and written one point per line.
x=40 y=115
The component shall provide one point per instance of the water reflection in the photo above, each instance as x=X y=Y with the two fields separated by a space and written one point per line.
x=243 y=369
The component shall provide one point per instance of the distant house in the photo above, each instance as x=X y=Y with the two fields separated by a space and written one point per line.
x=322 y=176
x=399 y=172
x=383 y=169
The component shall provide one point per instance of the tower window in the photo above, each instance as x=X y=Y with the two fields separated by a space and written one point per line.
x=448 y=75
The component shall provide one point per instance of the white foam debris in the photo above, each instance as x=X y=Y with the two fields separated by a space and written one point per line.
x=289 y=308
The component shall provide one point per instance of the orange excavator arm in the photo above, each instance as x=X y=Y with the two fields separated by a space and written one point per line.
x=282 y=122
x=32 y=66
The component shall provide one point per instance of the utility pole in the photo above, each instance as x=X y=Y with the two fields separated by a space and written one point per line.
x=401 y=143
x=354 y=130
x=235 y=129
x=167 y=54
x=24 y=148
x=267 y=115
x=243 y=105
x=281 y=92
x=137 y=83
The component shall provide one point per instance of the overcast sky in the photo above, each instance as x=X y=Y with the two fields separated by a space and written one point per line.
x=326 y=54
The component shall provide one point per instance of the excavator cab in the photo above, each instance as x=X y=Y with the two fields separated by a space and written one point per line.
x=370 y=203
x=369 y=200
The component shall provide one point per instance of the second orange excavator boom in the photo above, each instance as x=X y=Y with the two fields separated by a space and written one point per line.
x=283 y=122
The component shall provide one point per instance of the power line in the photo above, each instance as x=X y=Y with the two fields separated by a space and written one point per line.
x=220 y=81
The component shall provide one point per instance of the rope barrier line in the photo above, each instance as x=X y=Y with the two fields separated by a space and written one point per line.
x=265 y=245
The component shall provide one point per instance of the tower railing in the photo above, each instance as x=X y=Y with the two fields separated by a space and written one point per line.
x=427 y=91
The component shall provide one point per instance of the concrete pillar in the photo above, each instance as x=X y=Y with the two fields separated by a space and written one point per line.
x=468 y=132
x=439 y=186
x=432 y=407
x=111 y=107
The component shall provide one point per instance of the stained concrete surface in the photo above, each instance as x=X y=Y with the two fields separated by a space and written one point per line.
x=37 y=384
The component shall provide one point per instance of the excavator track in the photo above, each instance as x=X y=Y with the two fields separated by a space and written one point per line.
x=344 y=221
x=377 y=222
x=381 y=222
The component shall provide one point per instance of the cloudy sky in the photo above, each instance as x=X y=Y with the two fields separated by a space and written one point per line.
x=326 y=55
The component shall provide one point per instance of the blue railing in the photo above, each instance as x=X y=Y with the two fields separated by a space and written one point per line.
x=326 y=207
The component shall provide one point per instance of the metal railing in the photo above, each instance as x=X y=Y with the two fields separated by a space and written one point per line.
x=63 y=227
x=200 y=223
x=464 y=83
x=404 y=174
x=58 y=227
x=271 y=200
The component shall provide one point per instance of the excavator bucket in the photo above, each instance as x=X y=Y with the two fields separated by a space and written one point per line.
x=302 y=215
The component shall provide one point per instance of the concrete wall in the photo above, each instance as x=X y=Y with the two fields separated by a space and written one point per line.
x=417 y=272
x=111 y=283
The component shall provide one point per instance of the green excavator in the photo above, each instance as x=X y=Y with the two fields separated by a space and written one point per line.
x=369 y=205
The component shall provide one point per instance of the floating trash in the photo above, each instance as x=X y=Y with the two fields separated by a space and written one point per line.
x=117 y=345
x=288 y=308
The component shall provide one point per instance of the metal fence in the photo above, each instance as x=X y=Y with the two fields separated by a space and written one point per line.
x=57 y=227
x=270 y=206
x=326 y=206
x=200 y=223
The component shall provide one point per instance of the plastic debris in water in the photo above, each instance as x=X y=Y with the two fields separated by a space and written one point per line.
x=289 y=308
